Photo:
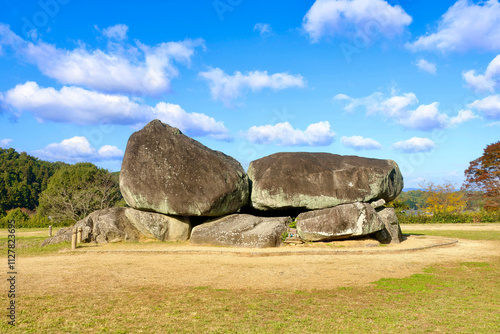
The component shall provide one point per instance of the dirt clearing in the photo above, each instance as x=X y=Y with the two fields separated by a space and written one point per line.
x=223 y=268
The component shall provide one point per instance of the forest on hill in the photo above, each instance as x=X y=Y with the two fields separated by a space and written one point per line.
x=23 y=178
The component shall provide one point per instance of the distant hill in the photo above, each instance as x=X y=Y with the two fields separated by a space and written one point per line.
x=410 y=189
x=22 y=179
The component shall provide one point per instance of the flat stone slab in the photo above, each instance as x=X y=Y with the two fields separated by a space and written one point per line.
x=241 y=230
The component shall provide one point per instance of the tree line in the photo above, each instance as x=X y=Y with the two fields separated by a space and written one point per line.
x=23 y=178
x=60 y=193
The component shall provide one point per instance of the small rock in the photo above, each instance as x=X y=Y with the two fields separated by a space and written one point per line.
x=391 y=234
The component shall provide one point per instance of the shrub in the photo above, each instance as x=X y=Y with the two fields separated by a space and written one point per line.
x=16 y=215
x=450 y=218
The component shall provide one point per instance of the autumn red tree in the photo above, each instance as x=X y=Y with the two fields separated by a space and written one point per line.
x=483 y=175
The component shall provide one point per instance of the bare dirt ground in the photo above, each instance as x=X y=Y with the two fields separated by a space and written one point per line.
x=120 y=267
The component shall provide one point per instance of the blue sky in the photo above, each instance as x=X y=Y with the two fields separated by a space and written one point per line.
x=413 y=81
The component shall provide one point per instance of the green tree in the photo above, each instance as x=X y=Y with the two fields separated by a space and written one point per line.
x=23 y=178
x=77 y=190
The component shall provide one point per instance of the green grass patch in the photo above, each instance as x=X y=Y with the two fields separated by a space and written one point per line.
x=455 y=298
x=460 y=234
x=30 y=246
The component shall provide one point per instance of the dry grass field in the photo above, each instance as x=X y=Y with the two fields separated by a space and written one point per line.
x=338 y=287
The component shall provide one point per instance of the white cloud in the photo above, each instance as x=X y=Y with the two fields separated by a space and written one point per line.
x=426 y=117
x=465 y=26
x=140 y=69
x=400 y=108
x=109 y=152
x=227 y=88
x=463 y=116
x=354 y=18
x=5 y=143
x=283 y=134
x=78 y=149
x=118 y=32
x=377 y=103
x=487 y=81
x=414 y=145
x=262 y=28
x=426 y=66
x=359 y=143
x=489 y=106
x=79 y=106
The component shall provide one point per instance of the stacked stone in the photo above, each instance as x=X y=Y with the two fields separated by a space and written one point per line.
x=172 y=183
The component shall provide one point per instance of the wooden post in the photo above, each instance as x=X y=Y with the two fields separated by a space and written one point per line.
x=73 y=240
x=79 y=235
x=50 y=230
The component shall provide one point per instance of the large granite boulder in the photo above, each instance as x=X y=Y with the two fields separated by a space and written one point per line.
x=108 y=225
x=125 y=224
x=158 y=226
x=241 y=230
x=167 y=172
x=391 y=234
x=103 y=226
x=340 y=222
x=312 y=181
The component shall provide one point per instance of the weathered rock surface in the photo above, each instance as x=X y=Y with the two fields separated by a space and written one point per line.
x=103 y=226
x=340 y=222
x=161 y=227
x=108 y=225
x=125 y=224
x=321 y=180
x=241 y=230
x=391 y=234
x=63 y=235
x=167 y=172
x=378 y=204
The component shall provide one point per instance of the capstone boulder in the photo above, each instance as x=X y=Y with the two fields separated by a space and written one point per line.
x=313 y=181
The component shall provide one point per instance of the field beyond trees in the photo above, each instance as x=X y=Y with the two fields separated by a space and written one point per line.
x=448 y=289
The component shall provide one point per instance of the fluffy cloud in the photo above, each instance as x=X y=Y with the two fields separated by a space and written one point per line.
x=78 y=149
x=5 y=143
x=426 y=66
x=79 y=106
x=414 y=145
x=466 y=25
x=139 y=69
x=487 y=81
x=489 y=106
x=425 y=117
x=283 y=134
x=227 y=88
x=463 y=116
x=359 y=143
x=354 y=17
x=118 y=32
x=262 y=28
